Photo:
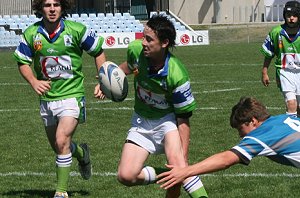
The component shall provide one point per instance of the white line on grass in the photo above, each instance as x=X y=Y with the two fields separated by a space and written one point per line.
x=127 y=108
x=192 y=82
x=218 y=90
x=195 y=64
x=109 y=101
x=109 y=174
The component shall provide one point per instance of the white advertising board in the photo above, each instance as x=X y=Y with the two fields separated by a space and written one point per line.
x=184 y=38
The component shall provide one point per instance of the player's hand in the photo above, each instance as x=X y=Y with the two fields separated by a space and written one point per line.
x=41 y=86
x=175 y=176
x=265 y=80
x=98 y=93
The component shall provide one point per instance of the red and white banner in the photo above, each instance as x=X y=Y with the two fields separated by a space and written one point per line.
x=184 y=38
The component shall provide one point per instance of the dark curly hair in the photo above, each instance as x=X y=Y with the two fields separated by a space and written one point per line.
x=246 y=109
x=163 y=28
x=37 y=7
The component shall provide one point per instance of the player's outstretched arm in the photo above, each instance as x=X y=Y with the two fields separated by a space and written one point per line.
x=214 y=163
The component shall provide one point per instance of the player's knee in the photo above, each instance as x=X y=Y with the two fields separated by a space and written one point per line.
x=178 y=161
x=126 y=178
x=61 y=145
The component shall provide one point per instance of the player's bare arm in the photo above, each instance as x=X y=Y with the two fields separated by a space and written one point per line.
x=265 y=77
x=39 y=86
x=99 y=60
x=184 y=132
x=214 y=163
x=125 y=68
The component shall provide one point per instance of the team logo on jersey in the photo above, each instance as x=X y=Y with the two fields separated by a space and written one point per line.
x=56 y=67
x=153 y=99
x=37 y=43
x=290 y=60
x=68 y=40
x=50 y=50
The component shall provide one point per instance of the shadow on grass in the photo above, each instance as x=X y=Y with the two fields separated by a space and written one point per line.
x=41 y=193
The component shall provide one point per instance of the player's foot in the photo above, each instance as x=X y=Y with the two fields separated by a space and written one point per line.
x=61 y=195
x=85 y=167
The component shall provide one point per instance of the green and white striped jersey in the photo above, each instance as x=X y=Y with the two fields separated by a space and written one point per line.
x=287 y=50
x=165 y=92
x=58 y=58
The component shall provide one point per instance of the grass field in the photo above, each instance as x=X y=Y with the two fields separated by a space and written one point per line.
x=220 y=75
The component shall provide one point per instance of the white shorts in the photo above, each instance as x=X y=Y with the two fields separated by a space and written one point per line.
x=150 y=134
x=290 y=84
x=290 y=80
x=51 y=111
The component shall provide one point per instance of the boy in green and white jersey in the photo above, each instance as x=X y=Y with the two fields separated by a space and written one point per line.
x=283 y=41
x=161 y=93
x=163 y=106
x=54 y=46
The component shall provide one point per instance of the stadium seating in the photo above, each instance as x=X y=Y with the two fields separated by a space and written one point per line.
x=100 y=23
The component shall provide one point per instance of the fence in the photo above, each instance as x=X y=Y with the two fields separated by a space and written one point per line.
x=15 y=7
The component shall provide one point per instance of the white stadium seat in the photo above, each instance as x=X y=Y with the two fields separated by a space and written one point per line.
x=118 y=15
x=75 y=16
x=83 y=15
x=92 y=15
x=100 y=15
x=13 y=26
x=126 y=15
x=109 y=15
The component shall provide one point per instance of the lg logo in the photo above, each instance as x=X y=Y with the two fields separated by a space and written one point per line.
x=185 y=39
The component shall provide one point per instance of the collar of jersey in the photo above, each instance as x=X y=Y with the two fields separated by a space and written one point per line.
x=163 y=71
x=43 y=31
x=283 y=32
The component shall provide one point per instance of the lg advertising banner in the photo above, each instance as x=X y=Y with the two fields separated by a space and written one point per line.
x=184 y=38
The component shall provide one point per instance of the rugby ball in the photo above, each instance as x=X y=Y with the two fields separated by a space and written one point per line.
x=113 y=81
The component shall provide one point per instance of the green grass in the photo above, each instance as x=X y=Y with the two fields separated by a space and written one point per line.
x=220 y=75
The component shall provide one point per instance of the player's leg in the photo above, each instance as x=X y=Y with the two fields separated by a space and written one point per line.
x=81 y=152
x=61 y=142
x=130 y=170
x=288 y=88
x=291 y=107
x=61 y=119
x=298 y=105
x=139 y=144
x=297 y=83
x=174 y=152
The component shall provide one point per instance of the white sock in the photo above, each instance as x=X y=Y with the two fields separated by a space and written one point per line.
x=193 y=184
x=64 y=160
x=150 y=175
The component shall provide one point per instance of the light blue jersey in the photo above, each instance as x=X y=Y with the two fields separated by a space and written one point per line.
x=278 y=138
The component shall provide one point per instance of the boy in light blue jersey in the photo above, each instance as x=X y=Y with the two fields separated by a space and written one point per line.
x=54 y=46
x=163 y=105
x=283 y=42
x=276 y=137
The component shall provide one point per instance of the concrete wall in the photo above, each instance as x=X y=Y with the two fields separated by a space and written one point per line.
x=218 y=11
x=190 y=11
